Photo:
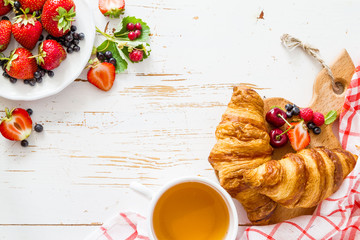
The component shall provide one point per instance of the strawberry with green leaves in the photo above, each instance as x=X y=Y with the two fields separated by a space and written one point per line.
x=112 y=8
x=57 y=16
x=5 y=34
x=5 y=7
x=16 y=125
x=299 y=136
x=101 y=75
x=21 y=64
x=32 y=5
x=51 y=54
x=27 y=30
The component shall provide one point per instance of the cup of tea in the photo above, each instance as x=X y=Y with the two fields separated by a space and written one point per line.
x=190 y=208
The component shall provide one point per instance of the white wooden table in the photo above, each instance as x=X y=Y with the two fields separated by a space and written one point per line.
x=158 y=121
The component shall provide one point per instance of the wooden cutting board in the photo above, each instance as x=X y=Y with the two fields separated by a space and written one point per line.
x=323 y=100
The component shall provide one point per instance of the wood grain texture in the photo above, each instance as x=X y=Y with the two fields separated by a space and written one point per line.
x=158 y=121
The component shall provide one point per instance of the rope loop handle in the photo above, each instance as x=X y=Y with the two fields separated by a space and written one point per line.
x=291 y=42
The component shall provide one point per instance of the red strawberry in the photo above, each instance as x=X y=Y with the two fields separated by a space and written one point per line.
x=306 y=114
x=32 y=5
x=27 y=30
x=112 y=8
x=17 y=124
x=21 y=64
x=299 y=136
x=318 y=119
x=51 y=54
x=57 y=16
x=5 y=34
x=5 y=7
x=102 y=75
x=136 y=55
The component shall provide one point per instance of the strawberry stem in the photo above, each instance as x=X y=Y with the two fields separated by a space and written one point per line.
x=108 y=37
x=280 y=116
x=278 y=136
x=8 y=113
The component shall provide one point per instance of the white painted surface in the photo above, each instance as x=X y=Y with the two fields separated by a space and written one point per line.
x=158 y=121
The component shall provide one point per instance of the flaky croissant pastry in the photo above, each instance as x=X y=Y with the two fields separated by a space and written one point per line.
x=242 y=161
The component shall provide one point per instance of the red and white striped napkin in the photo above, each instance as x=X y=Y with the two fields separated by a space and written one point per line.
x=337 y=217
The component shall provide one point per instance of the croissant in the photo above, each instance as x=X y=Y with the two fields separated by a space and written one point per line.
x=242 y=162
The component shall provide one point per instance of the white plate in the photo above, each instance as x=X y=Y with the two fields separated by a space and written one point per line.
x=66 y=73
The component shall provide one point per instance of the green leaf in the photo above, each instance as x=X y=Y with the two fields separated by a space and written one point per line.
x=121 y=31
x=330 y=117
x=121 y=64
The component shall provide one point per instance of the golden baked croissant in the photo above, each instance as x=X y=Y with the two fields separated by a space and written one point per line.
x=242 y=161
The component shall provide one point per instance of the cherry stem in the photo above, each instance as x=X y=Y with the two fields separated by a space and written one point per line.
x=278 y=136
x=280 y=116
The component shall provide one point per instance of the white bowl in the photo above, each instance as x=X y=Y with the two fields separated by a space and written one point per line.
x=68 y=70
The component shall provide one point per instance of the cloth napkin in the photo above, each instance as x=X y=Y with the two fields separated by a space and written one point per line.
x=337 y=217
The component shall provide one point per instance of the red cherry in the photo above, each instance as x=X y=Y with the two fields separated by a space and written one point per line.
x=273 y=117
x=277 y=139
x=138 y=33
x=130 y=26
x=132 y=35
x=138 y=26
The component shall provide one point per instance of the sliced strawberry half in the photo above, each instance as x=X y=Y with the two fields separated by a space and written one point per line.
x=102 y=75
x=299 y=136
x=112 y=8
x=17 y=124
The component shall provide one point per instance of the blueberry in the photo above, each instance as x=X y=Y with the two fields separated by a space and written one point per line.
x=38 y=128
x=5 y=18
x=106 y=60
x=49 y=37
x=73 y=28
x=13 y=80
x=76 y=48
x=17 y=5
x=69 y=38
x=24 y=143
x=37 y=13
x=5 y=75
x=42 y=72
x=26 y=81
x=76 y=42
x=37 y=74
x=70 y=50
x=39 y=80
x=100 y=56
x=76 y=36
x=41 y=38
x=29 y=111
x=295 y=111
x=81 y=36
x=289 y=114
x=108 y=54
x=317 y=130
x=67 y=44
x=311 y=125
x=112 y=61
x=50 y=73
x=32 y=82
x=3 y=62
x=288 y=107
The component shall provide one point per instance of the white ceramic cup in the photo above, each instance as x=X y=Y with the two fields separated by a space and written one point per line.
x=233 y=217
